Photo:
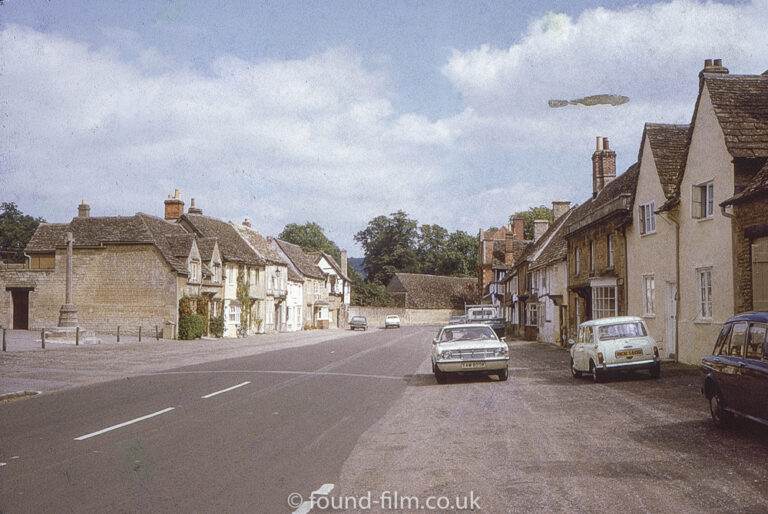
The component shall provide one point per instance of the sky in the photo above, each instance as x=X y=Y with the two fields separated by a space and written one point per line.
x=336 y=112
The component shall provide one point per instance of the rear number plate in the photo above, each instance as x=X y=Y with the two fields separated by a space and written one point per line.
x=627 y=353
x=472 y=364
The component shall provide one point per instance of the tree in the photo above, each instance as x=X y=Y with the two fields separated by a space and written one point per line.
x=541 y=212
x=389 y=244
x=16 y=229
x=311 y=238
x=367 y=293
x=447 y=254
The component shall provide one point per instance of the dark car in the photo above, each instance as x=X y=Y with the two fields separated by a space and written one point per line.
x=736 y=374
x=358 y=322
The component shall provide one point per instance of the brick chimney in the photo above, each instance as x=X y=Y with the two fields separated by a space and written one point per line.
x=344 y=267
x=539 y=227
x=509 y=247
x=712 y=66
x=192 y=209
x=518 y=228
x=83 y=210
x=247 y=222
x=559 y=208
x=174 y=207
x=603 y=165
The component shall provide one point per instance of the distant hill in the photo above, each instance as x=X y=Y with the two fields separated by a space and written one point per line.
x=356 y=263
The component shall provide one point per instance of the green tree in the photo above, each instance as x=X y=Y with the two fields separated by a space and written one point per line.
x=16 y=229
x=368 y=293
x=311 y=238
x=431 y=248
x=460 y=256
x=389 y=244
x=541 y=212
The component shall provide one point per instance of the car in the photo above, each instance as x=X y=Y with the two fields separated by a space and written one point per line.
x=392 y=320
x=457 y=320
x=358 y=322
x=469 y=348
x=735 y=375
x=606 y=345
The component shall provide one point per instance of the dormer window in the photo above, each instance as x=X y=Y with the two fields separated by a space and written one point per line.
x=195 y=271
x=217 y=272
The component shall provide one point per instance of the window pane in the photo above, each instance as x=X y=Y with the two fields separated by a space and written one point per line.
x=756 y=340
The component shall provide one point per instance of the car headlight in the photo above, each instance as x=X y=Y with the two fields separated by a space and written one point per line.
x=447 y=354
x=500 y=352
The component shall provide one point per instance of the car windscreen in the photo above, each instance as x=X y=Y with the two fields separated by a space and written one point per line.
x=619 y=330
x=358 y=319
x=466 y=334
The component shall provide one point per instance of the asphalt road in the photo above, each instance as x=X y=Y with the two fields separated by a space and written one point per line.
x=237 y=435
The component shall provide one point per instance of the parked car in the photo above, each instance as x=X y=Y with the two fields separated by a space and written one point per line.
x=392 y=320
x=358 y=322
x=736 y=374
x=614 y=344
x=456 y=320
x=469 y=348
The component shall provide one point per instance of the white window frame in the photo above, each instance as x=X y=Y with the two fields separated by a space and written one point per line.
x=195 y=273
x=231 y=275
x=704 y=292
x=234 y=313
x=610 y=251
x=649 y=295
x=591 y=256
x=702 y=200
x=532 y=314
x=647 y=218
x=576 y=269
x=602 y=298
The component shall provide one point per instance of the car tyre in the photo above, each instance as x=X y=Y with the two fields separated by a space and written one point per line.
x=504 y=375
x=655 y=370
x=597 y=375
x=720 y=416
x=575 y=373
x=440 y=376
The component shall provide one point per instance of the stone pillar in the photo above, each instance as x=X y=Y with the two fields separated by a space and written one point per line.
x=68 y=311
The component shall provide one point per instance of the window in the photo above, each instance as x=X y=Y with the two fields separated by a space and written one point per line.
x=532 y=314
x=649 y=295
x=42 y=261
x=702 y=200
x=217 y=272
x=738 y=339
x=232 y=275
x=603 y=302
x=194 y=271
x=756 y=341
x=647 y=220
x=704 y=277
x=591 y=256
x=576 y=261
x=610 y=250
x=721 y=346
x=234 y=312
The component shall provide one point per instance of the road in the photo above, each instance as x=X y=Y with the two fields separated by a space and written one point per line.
x=361 y=420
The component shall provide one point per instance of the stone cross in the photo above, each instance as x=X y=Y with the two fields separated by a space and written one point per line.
x=68 y=311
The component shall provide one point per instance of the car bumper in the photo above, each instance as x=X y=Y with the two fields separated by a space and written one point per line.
x=454 y=366
x=394 y=325
x=627 y=366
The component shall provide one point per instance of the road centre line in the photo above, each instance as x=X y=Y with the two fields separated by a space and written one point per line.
x=131 y=422
x=306 y=507
x=226 y=390
x=275 y=372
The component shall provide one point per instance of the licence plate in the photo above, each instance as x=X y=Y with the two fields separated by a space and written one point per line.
x=472 y=364
x=626 y=353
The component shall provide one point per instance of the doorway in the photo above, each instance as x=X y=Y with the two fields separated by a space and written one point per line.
x=20 y=301
x=671 y=339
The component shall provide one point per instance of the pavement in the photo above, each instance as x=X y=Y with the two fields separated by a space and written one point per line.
x=27 y=369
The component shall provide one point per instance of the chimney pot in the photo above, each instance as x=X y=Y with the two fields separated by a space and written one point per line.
x=707 y=63
x=174 y=207
x=246 y=222
x=192 y=209
x=605 y=144
x=599 y=144
x=718 y=62
x=603 y=166
x=83 y=210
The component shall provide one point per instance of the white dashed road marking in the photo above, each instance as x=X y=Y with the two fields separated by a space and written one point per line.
x=306 y=507
x=92 y=434
x=225 y=390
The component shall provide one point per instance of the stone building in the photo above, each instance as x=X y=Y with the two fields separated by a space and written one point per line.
x=419 y=291
x=596 y=234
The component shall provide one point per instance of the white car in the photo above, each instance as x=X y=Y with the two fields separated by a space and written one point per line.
x=614 y=344
x=469 y=348
x=392 y=320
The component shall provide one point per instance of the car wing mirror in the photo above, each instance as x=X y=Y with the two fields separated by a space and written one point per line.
x=571 y=342
x=435 y=341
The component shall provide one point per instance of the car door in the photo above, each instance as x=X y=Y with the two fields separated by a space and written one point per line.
x=754 y=379
x=579 y=350
x=733 y=365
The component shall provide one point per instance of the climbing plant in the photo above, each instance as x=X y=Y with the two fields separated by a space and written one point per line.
x=243 y=295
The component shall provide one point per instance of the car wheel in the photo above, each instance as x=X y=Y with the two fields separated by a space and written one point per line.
x=655 y=370
x=440 y=376
x=575 y=373
x=597 y=375
x=720 y=416
x=504 y=375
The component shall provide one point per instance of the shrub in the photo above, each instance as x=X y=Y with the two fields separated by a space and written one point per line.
x=217 y=326
x=192 y=326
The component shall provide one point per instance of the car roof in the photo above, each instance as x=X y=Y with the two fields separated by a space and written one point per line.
x=610 y=321
x=761 y=316
x=466 y=325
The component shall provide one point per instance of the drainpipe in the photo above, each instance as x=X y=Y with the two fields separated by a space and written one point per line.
x=29 y=260
x=724 y=212
x=667 y=216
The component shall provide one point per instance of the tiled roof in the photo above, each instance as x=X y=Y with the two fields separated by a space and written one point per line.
x=259 y=244
x=741 y=106
x=318 y=255
x=171 y=239
x=206 y=246
x=232 y=246
x=669 y=145
x=758 y=185
x=555 y=247
x=433 y=291
x=617 y=195
x=116 y=229
x=303 y=262
x=47 y=237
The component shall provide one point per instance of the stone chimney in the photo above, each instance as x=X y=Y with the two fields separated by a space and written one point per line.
x=509 y=247
x=344 y=267
x=83 y=210
x=559 y=209
x=174 y=207
x=517 y=228
x=712 y=66
x=603 y=165
x=192 y=209
x=247 y=222
x=539 y=227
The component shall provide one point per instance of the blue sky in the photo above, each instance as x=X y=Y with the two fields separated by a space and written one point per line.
x=336 y=112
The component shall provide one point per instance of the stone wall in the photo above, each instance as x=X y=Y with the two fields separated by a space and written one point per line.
x=750 y=216
x=376 y=315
